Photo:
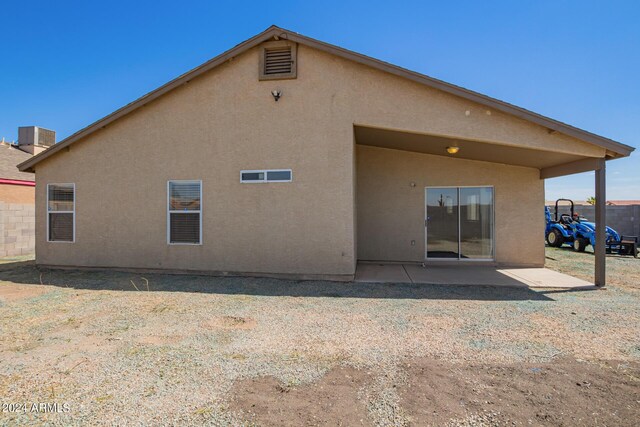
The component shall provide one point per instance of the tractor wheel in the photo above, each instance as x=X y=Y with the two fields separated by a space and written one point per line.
x=555 y=238
x=579 y=244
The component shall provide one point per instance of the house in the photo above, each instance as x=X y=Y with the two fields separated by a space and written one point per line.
x=623 y=202
x=17 y=190
x=289 y=156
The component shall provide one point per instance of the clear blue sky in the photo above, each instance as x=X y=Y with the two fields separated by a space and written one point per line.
x=69 y=63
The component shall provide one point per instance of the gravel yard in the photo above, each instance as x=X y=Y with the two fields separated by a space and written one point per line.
x=129 y=349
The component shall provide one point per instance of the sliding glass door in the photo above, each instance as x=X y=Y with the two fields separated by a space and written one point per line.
x=442 y=223
x=459 y=223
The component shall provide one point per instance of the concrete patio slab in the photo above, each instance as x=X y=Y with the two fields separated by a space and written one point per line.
x=468 y=275
x=465 y=275
x=381 y=273
x=546 y=278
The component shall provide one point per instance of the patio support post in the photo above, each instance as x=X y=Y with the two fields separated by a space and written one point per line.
x=601 y=222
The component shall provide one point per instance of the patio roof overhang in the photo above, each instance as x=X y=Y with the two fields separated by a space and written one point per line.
x=551 y=164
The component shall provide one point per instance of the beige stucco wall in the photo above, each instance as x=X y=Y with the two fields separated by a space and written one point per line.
x=226 y=121
x=391 y=212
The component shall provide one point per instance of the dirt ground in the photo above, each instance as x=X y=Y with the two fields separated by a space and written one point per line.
x=434 y=393
x=106 y=347
x=622 y=271
x=333 y=400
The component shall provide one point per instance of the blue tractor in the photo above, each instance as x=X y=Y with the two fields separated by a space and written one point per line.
x=569 y=228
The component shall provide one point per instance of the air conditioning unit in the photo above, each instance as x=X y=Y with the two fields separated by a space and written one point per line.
x=34 y=139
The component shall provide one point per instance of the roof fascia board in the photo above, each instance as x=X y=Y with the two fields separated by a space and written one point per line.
x=479 y=98
x=621 y=149
x=154 y=94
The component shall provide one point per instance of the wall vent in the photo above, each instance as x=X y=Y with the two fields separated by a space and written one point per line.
x=278 y=60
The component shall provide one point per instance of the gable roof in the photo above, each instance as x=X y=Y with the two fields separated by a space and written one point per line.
x=10 y=156
x=614 y=148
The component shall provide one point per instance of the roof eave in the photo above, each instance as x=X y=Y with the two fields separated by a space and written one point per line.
x=551 y=124
x=621 y=150
x=27 y=166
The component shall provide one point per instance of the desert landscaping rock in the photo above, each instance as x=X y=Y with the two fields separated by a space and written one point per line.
x=203 y=350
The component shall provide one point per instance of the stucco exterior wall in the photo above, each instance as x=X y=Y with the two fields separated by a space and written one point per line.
x=369 y=97
x=226 y=120
x=211 y=129
x=391 y=212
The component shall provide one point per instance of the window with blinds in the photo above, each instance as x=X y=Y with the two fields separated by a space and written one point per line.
x=61 y=207
x=278 y=60
x=266 y=175
x=184 y=212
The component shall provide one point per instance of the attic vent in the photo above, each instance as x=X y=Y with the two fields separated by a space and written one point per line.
x=278 y=60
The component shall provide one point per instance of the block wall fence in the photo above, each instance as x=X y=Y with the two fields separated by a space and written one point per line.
x=17 y=229
x=624 y=219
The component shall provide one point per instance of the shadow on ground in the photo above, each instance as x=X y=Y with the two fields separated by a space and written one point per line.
x=30 y=274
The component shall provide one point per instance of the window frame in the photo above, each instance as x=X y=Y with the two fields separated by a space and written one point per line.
x=265 y=180
x=169 y=212
x=73 y=184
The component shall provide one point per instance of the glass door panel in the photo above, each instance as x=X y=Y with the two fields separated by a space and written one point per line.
x=476 y=222
x=442 y=223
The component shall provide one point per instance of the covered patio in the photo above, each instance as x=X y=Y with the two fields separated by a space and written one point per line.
x=395 y=167
x=468 y=275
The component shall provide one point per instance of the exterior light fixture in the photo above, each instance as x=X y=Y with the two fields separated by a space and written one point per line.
x=276 y=94
x=453 y=149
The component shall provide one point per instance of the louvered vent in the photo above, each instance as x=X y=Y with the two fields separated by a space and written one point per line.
x=277 y=61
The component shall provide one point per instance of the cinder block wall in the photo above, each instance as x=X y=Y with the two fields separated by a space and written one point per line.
x=624 y=219
x=17 y=229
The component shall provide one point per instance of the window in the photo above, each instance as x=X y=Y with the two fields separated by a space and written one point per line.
x=278 y=60
x=61 y=207
x=184 y=222
x=271 y=175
